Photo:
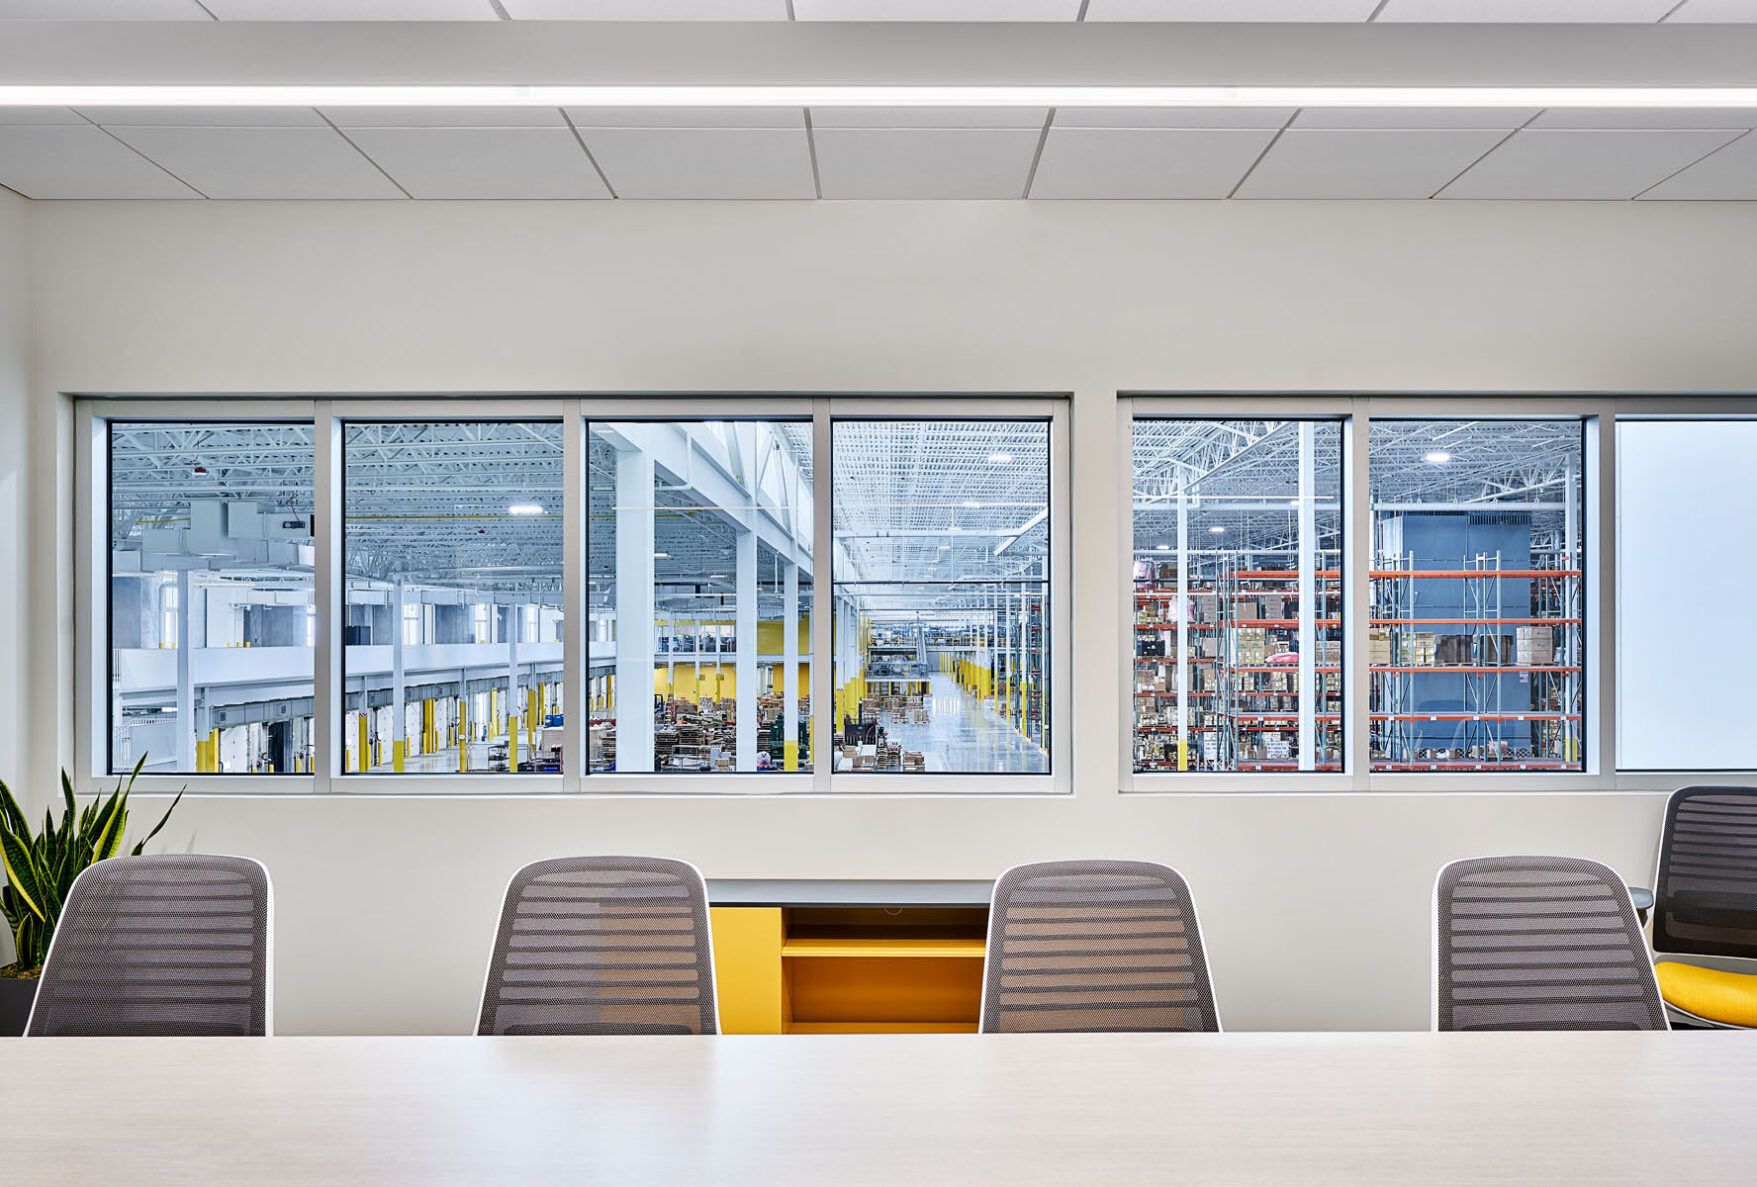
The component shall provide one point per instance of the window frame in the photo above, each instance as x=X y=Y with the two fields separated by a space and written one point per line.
x=328 y=413
x=1598 y=414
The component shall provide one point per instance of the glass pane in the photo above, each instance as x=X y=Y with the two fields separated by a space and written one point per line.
x=451 y=658
x=699 y=589
x=1682 y=488
x=211 y=597
x=942 y=596
x=1237 y=572
x=1475 y=645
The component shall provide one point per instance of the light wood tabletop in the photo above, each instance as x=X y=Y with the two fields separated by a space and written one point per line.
x=897 y=1110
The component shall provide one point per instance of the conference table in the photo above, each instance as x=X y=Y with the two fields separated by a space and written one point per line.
x=903 y=1110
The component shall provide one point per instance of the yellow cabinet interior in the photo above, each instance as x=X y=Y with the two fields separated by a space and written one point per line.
x=848 y=970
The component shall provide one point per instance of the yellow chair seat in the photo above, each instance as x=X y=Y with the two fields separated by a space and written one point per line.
x=1713 y=994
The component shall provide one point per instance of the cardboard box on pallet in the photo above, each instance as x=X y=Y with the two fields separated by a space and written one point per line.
x=1535 y=646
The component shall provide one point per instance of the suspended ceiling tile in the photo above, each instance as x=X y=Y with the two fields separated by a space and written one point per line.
x=1504 y=118
x=352 y=10
x=1172 y=117
x=646 y=10
x=924 y=162
x=1727 y=175
x=263 y=162
x=1363 y=163
x=1583 y=164
x=445 y=117
x=483 y=162
x=1230 y=10
x=929 y=117
x=40 y=115
x=204 y=117
x=1507 y=11
x=1637 y=118
x=703 y=162
x=63 y=161
x=1726 y=12
x=688 y=117
x=936 y=10
x=1146 y=162
x=102 y=10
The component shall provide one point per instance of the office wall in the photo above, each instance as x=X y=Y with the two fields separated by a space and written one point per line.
x=15 y=326
x=1316 y=906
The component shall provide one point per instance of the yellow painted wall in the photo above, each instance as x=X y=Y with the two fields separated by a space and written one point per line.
x=771 y=641
x=685 y=682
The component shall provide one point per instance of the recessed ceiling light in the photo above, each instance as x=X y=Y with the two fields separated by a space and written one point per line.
x=525 y=509
x=1438 y=458
x=995 y=459
x=1217 y=529
x=661 y=556
x=1162 y=548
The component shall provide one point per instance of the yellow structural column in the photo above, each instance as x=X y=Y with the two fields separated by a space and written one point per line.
x=362 y=757
x=463 y=732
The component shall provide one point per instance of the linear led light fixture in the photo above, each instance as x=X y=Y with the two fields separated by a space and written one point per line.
x=835 y=95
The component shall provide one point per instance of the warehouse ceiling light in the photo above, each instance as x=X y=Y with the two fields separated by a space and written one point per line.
x=1438 y=457
x=525 y=509
x=999 y=459
x=1216 y=529
x=837 y=95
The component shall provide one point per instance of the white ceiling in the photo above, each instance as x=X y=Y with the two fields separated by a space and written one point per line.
x=551 y=154
x=1639 y=11
x=398 y=154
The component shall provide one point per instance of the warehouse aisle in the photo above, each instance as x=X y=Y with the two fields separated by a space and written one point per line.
x=964 y=735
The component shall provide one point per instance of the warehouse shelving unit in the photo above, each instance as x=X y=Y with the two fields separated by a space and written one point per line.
x=1474 y=654
x=1243 y=699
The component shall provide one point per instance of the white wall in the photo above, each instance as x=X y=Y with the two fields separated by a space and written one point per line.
x=1316 y=906
x=15 y=405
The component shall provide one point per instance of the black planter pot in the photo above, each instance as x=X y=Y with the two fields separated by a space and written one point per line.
x=16 y=996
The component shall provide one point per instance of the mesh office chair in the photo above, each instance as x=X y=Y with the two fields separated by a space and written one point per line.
x=1705 y=903
x=1539 y=943
x=1094 y=946
x=602 y=946
x=164 y=945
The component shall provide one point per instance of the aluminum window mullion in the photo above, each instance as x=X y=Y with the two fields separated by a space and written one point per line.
x=823 y=599
x=1357 y=596
x=1125 y=601
x=575 y=659
x=326 y=596
x=1599 y=650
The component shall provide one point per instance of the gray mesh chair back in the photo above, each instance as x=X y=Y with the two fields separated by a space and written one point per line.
x=602 y=946
x=169 y=944
x=1705 y=894
x=1539 y=943
x=1094 y=946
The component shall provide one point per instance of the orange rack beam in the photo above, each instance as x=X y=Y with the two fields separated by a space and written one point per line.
x=1476 y=717
x=1469 y=671
x=1476 y=622
x=1457 y=574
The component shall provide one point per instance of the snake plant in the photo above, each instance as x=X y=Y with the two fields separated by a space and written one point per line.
x=40 y=870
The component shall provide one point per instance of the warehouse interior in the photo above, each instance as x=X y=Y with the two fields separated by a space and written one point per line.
x=700 y=532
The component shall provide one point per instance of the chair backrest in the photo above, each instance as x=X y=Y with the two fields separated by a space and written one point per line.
x=1094 y=946
x=168 y=944
x=602 y=946
x=1705 y=891
x=1539 y=943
